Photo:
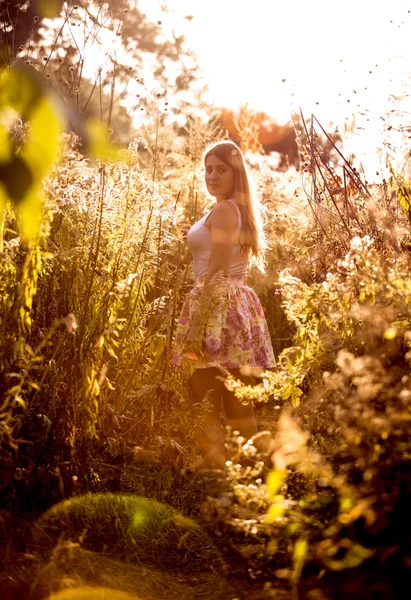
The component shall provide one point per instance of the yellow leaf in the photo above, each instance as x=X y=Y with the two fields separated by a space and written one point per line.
x=274 y=481
x=5 y=147
x=346 y=503
x=98 y=145
x=49 y=8
x=355 y=555
x=276 y=510
x=22 y=92
x=390 y=333
x=34 y=385
x=299 y=556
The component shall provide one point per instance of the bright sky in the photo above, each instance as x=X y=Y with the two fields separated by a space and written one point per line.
x=324 y=50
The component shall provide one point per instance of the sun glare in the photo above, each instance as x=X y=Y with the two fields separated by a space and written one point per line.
x=336 y=61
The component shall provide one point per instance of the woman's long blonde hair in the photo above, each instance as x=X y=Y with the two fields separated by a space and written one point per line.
x=252 y=237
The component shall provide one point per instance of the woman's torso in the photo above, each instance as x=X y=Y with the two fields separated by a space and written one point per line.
x=199 y=242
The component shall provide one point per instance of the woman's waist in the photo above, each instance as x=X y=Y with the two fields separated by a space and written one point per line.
x=238 y=266
x=236 y=280
x=235 y=271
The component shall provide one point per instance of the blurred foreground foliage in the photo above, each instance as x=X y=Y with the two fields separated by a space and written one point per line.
x=90 y=290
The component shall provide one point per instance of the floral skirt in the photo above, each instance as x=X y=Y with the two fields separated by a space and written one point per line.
x=234 y=333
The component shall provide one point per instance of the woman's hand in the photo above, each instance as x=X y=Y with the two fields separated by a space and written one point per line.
x=184 y=230
x=195 y=332
x=193 y=343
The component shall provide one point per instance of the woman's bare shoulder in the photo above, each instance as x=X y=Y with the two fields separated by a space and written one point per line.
x=224 y=215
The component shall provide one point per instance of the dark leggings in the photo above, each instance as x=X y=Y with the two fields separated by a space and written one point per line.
x=239 y=416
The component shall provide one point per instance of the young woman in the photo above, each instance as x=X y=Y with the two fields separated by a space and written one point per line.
x=222 y=326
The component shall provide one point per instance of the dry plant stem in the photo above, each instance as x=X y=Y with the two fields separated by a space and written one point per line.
x=3 y=213
x=316 y=216
x=4 y=20
x=51 y=360
x=101 y=98
x=93 y=89
x=360 y=184
x=87 y=35
x=332 y=200
x=172 y=316
x=195 y=206
x=80 y=75
x=79 y=68
x=317 y=164
x=24 y=377
x=172 y=319
x=56 y=40
x=135 y=361
x=92 y=269
x=134 y=310
x=158 y=265
x=125 y=231
x=110 y=110
x=150 y=325
x=155 y=148
x=142 y=246
x=347 y=201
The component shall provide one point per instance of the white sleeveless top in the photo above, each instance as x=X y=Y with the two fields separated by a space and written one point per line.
x=199 y=242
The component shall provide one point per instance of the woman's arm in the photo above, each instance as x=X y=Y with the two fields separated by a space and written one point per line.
x=223 y=222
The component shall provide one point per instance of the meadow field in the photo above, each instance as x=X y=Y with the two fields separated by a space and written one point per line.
x=101 y=491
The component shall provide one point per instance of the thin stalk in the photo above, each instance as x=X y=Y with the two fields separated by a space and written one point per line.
x=317 y=164
x=142 y=246
x=172 y=319
x=3 y=213
x=92 y=91
x=125 y=230
x=133 y=312
x=110 y=112
x=101 y=100
x=314 y=183
x=5 y=33
x=349 y=204
x=158 y=266
x=115 y=100
x=136 y=360
x=49 y=366
x=80 y=75
x=155 y=149
x=140 y=284
x=332 y=197
x=93 y=268
x=361 y=185
x=53 y=47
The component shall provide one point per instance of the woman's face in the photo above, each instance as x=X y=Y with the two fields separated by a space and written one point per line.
x=219 y=178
